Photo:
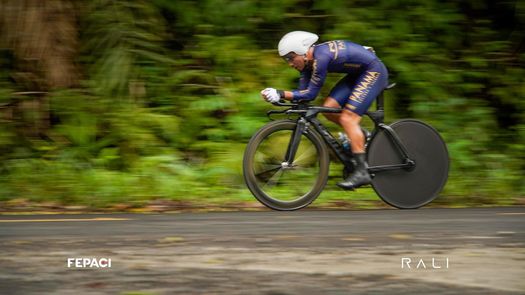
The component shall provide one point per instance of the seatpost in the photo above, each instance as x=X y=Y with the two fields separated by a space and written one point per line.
x=378 y=115
x=380 y=102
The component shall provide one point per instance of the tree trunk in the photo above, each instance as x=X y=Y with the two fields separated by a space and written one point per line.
x=44 y=41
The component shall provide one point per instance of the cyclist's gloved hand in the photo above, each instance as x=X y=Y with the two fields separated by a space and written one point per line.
x=271 y=95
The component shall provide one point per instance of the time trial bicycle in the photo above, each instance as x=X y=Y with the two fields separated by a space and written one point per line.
x=286 y=162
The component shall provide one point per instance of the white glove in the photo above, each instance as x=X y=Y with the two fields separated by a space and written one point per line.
x=271 y=95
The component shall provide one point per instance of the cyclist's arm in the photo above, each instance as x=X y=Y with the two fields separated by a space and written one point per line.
x=304 y=79
x=317 y=79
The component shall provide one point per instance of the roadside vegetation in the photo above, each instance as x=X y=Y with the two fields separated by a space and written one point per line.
x=126 y=104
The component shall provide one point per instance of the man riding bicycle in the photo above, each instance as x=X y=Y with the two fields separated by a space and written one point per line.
x=366 y=78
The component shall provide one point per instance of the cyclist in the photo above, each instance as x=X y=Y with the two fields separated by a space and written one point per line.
x=366 y=78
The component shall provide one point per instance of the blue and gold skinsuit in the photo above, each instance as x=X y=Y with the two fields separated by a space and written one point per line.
x=366 y=75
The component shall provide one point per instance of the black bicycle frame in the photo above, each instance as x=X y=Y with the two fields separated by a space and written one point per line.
x=308 y=117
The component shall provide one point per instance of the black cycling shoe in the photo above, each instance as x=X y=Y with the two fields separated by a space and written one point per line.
x=357 y=179
x=360 y=176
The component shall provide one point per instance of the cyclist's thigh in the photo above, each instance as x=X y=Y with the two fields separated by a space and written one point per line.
x=368 y=86
x=342 y=90
x=331 y=102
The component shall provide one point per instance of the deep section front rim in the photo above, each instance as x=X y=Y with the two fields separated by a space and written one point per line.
x=280 y=185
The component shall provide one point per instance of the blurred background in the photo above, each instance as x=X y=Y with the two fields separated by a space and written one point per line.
x=124 y=103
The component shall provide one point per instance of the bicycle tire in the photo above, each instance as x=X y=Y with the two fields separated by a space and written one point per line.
x=257 y=186
x=420 y=185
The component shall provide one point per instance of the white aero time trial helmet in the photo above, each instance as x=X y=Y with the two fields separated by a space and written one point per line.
x=296 y=41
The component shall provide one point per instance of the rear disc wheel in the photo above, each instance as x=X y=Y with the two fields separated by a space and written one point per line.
x=419 y=185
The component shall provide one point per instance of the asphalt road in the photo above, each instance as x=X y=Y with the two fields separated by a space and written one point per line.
x=431 y=251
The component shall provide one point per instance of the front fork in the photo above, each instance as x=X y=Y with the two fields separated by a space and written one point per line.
x=293 y=145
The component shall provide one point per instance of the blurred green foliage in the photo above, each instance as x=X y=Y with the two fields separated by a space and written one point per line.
x=167 y=95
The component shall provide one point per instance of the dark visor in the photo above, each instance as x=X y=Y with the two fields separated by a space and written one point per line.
x=288 y=57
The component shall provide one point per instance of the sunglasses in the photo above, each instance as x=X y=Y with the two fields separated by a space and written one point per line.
x=289 y=57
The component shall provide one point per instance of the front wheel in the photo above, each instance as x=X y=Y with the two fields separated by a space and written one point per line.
x=276 y=183
x=419 y=185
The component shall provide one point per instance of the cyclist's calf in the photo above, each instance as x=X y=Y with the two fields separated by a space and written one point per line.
x=350 y=122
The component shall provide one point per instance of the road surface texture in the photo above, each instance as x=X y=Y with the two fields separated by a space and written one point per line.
x=425 y=251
